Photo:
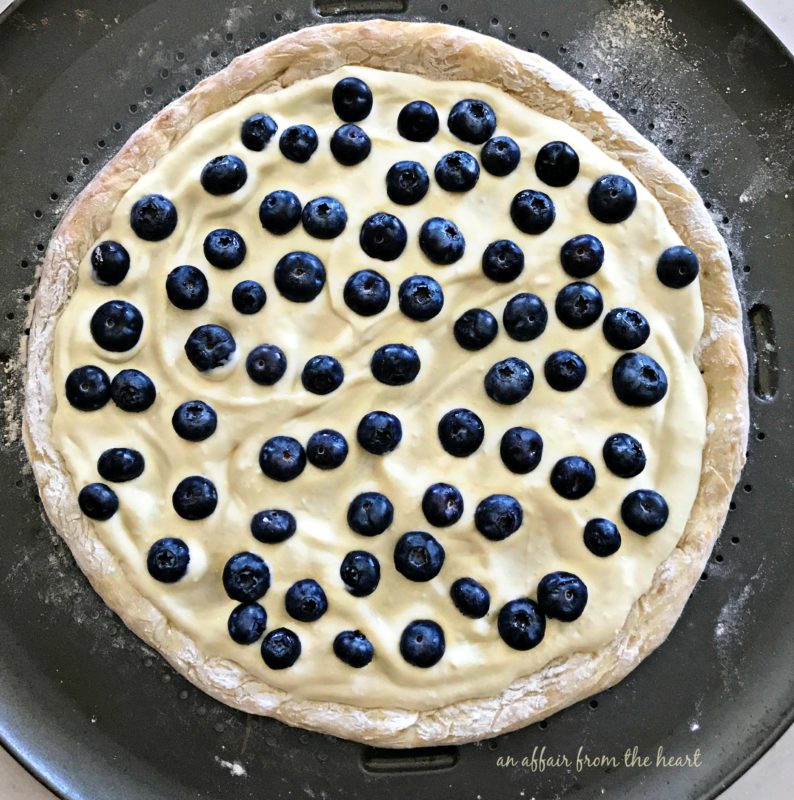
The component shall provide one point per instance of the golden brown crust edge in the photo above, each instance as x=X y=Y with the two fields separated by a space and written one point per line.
x=435 y=51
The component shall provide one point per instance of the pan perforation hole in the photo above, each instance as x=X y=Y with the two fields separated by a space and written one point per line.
x=494 y=21
x=116 y=126
x=735 y=540
x=462 y=23
x=38 y=213
x=704 y=576
x=263 y=35
x=543 y=724
x=719 y=558
x=278 y=16
x=70 y=178
x=179 y=56
x=419 y=759
x=748 y=487
x=133 y=108
x=760 y=436
x=544 y=34
x=593 y=704
x=229 y=36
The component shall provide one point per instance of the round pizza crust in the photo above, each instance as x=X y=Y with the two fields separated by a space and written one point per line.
x=440 y=52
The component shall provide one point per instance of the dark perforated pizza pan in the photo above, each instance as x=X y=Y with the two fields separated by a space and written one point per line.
x=95 y=714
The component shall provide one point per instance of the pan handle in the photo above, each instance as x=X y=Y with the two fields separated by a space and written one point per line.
x=765 y=350
x=346 y=8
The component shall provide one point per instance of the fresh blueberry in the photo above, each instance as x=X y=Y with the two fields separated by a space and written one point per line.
x=360 y=572
x=457 y=171
x=379 y=432
x=224 y=175
x=557 y=164
x=638 y=380
x=117 y=326
x=441 y=241
x=525 y=317
x=246 y=577
x=509 y=381
x=98 y=501
x=322 y=375
x=187 y=287
x=644 y=511
x=131 y=390
x=168 y=560
x=249 y=297
x=573 y=477
x=470 y=598
x=350 y=145
x=407 y=182
x=562 y=595
x=502 y=261
x=266 y=364
x=299 y=276
x=247 y=623
x=612 y=199
x=153 y=218
x=578 y=305
x=532 y=212
x=273 y=526
x=370 y=513
x=677 y=267
x=475 y=329
x=521 y=449
x=282 y=458
x=473 y=121
x=298 y=143
x=324 y=218
x=195 y=421
x=498 y=516
x=420 y=297
x=326 y=449
x=195 y=497
x=460 y=432
x=209 y=347
x=367 y=292
x=88 y=388
x=500 y=156
x=521 y=624
x=417 y=121
x=418 y=556
x=395 y=364
x=442 y=505
x=582 y=256
x=624 y=455
x=305 y=601
x=280 y=212
x=110 y=263
x=120 y=464
x=281 y=648
x=564 y=370
x=422 y=643
x=224 y=248
x=601 y=537
x=257 y=131
x=626 y=329
x=352 y=99
x=353 y=648
x=383 y=236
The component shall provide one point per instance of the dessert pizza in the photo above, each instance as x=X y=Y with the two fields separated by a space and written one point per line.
x=390 y=384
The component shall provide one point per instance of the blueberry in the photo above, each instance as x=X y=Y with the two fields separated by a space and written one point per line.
x=257 y=131
x=626 y=329
x=422 y=643
x=532 y=212
x=298 y=143
x=187 y=287
x=417 y=121
x=601 y=537
x=272 y=526
x=120 y=464
x=224 y=175
x=502 y=261
x=460 y=432
x=195 y=498
x=209 y=347
x=324 y=218
x=306 y=601
x=153 y=218
x=110 y=263
x=582 y=256
x=360 y=572
x=470 y=598
x=326 y=449
x=247 y=623
x=475 y=329
x=457 y=171
x=472 y=120
x=677 y=267
x=370 y=513
x=624 y=455
x=564 y=370
x=350 y=145
x=578 y=305
x=418 y=556
x=395 y=364
x=282 y=458
x=383 y=236
x=509 y=381
x=498 y=516
x=224 y=248
x=367 y=292
x=168 y=559
x=562 y=595
x=133 y=391
x=266 y=364
x=500 y=156
x=441 y=241
x=98 y=501
x=246 y=577
x=407 y=182
x=521 y=624
x=352 y=99
x=280 y=212
x=322 y=375
x=573 y=477
x=420 y=297
x=525 y=317
x=638 y=380
x=194 y=421
x=644 y=511
x=88 y=388
x=299 y=276
x=117 y=326
x=442 y=505
x=612 y=199
x=281 y=648
x=521 y=449
x=557 y=164
x=248 y=297
x=353 y=648
x=379 y=432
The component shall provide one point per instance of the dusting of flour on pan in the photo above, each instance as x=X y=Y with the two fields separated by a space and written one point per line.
x=234 y=767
